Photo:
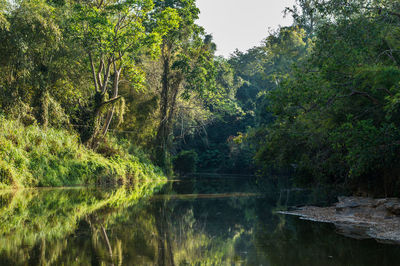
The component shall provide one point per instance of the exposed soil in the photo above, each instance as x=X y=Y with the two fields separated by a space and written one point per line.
x=359 y=217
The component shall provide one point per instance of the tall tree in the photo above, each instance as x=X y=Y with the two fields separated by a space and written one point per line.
x=114 y=36
x=186 y=59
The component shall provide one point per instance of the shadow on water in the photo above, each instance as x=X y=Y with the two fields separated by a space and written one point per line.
x=197 y=221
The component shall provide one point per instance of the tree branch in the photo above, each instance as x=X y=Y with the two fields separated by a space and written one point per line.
x=375 y=101
x=386 y=90
x=107 y=74
x=101 y=66
x=111 y=101
x=117 y=72
x=93 y=72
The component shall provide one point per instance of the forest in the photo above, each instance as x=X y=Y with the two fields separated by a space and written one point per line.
x=108 y=92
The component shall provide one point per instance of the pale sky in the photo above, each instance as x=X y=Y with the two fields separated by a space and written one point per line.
x=241 y=24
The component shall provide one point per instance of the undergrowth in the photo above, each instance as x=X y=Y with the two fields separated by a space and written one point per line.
x=31 y=156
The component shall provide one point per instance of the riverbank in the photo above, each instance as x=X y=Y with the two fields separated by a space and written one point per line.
x=358 y=217
x=33 y=157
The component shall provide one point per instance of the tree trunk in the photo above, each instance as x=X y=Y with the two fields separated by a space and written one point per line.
x=99 y=129
x=162 y=132
x=171 y=82
x=110 y=114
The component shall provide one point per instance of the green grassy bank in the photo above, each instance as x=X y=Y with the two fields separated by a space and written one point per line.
x=31 y=157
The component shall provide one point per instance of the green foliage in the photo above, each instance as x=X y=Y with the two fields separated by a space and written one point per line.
x=335 y=103
x=188 y=74
x=93 y=66
x=211 y=133
x=3 y=19
x=114 y=35
x=39 y=68
x=34 y=157
x=238 y=104
x=185 y=162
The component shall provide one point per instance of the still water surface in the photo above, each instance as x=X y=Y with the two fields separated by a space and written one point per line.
x=222 y=221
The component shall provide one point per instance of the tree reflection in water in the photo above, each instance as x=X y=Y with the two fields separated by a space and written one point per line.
x=208 y=222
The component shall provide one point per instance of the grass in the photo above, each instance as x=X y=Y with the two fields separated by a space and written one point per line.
x=33 y=157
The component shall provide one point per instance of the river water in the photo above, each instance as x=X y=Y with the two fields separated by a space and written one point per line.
x=203 y=221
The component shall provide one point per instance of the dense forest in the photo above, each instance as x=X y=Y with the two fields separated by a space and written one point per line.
x=99 y=91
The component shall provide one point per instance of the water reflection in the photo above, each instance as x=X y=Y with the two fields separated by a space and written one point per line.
x=192 y=222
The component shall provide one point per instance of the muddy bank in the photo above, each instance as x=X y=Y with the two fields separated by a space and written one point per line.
x=359 y=217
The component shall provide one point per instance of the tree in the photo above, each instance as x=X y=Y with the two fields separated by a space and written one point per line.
x=306 y=14
x=114 y=36
x=335 y=114
x=32 y=54
x=186 y=59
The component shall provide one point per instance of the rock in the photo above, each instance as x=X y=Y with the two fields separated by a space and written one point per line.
x=359 y=217
x=346 y=202
x=342 y=206
x=393 y=207
x=380 y=202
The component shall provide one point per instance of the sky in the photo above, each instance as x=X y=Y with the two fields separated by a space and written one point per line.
x=241 y=24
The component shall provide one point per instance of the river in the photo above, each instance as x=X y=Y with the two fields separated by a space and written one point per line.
x=202 y=221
